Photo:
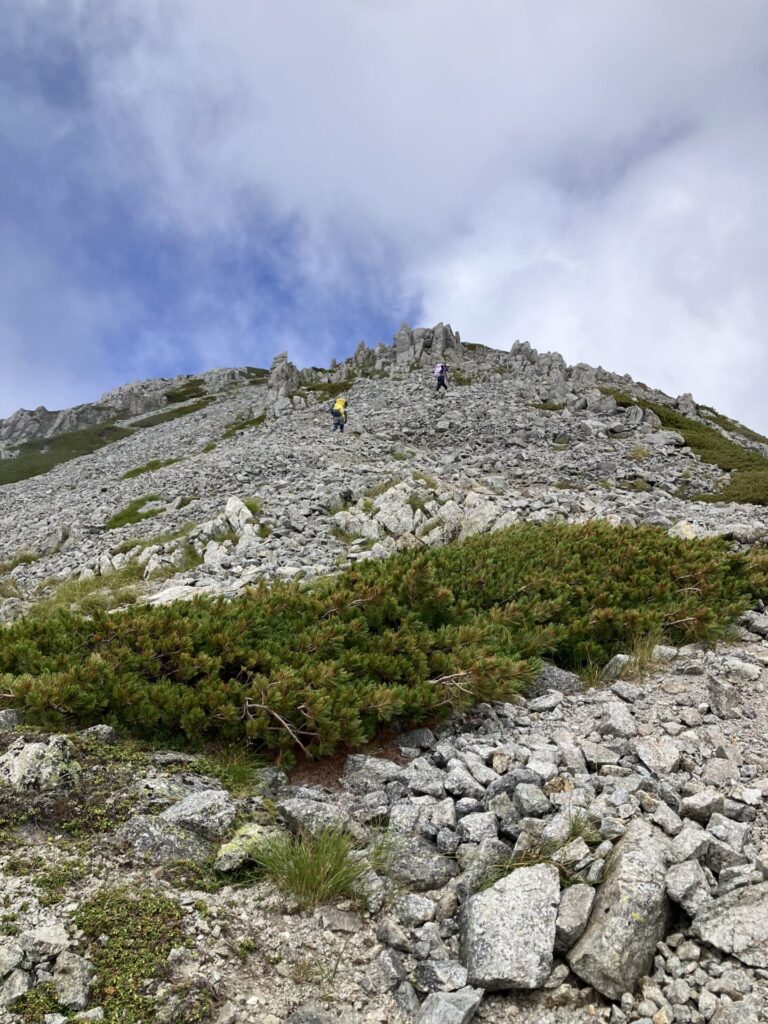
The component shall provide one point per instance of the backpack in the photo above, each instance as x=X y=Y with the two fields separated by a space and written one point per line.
x=340 y=407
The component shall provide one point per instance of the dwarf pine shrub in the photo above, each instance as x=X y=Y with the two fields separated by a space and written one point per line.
x=391 y=643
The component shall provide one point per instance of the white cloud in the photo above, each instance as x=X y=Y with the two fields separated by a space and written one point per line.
x=588 y=176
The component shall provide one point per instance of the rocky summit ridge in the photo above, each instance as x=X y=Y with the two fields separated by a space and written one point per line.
x=583 y=854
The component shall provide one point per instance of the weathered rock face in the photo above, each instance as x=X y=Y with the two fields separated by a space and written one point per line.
x=73 y=979
x=737 y=924
x=687 y=885
x=209 y=814
x=421 y=867
x=163 y=842
x=39 y=765
x=628 y=918
x=508 y=931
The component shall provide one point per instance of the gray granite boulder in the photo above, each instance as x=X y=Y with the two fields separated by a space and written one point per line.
x=449 y=1007
x=418 y=866
x=572 y=916
x=163 y=842
x=687 y=885
x=629 y=915
x=39 y=765
x=73 y=978
x=659 y=754
x=737 y=924
x=209 y=814
x=507 y=932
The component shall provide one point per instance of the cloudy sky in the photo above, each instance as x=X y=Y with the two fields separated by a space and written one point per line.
x=190 y=183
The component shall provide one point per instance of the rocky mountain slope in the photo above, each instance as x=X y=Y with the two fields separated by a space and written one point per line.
x=518 y=437
x=584 y=854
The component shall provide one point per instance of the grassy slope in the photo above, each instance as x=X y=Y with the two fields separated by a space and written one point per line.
x=43 y=454
x=749 y=469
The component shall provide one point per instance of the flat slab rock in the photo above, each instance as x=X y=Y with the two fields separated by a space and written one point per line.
x=737 y=924
x=629 y=915
x=507 y=932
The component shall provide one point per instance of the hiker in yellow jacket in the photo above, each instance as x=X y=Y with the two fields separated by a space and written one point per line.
x=339 y=413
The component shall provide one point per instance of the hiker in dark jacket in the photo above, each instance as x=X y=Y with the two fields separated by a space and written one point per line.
x=441 y=372
x=339 y=413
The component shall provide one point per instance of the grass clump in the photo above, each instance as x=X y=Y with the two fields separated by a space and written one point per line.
x=243 y=423
x=641 y=652
x=314 y=869
x=328 y=389
x=133 y=513
x=22 y=558
x=459 y=378
x=254 y=506
x=417 y=503
x=429 y=481
x=256 y=374
x=97 y=593
x=8 y=588
x=545 y=851
x=391 y=643
x=131 y=935
x=344 y=536
x=426 y=528
x=148 y=467
x=194 y=388
x=548 y=406
x=386 y=485
x=171 y=414
x=235 y=766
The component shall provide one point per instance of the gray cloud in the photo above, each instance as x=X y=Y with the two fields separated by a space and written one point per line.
x=588 y=176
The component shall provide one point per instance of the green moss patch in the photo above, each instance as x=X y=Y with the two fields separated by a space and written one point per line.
x=131 y=935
